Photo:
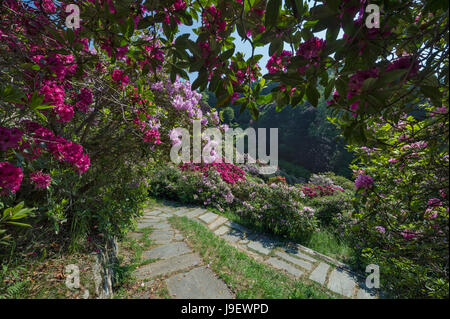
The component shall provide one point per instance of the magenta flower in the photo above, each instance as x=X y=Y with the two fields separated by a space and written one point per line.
x=434 y=202
x=363 y=181
x=10 y=178
x=9 y=138
x=408 y=234
x=40 y=180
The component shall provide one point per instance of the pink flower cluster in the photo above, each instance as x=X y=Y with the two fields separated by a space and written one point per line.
x=228 y=172
x=213 y=21
x=256 y=15
x=178 y=5
x=405 y=63
x=84 y=100
x=356 y=81
x=363 y=181
x=9 y=138
x=120 y=78
x=54 y=94
x=10 y=178
x=63 y=150
x=40 y=180
x=275 y=62
x=59 y=64
x=311 y=49
x=152 y=135
x=408 y=234
x=319 y=191
x=154 y=54
x=47 y=5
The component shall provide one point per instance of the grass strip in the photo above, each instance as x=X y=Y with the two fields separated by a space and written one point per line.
x=247 y=277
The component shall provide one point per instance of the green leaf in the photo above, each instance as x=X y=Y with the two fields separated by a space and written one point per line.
x=391 y=76
x=201 y=80
x=226 y=55
x=19 y=224
x=332 y=32
x=312 y=95
x=275 y=46
x=432 y=92
x=272 y=12
x=264 y=99
x=241 y=31
x=224 y=100
x=253 y=109
x=44 y=107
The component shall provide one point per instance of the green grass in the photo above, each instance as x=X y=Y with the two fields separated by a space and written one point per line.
x=132 y=249
x=244 y=275
x=326 y=243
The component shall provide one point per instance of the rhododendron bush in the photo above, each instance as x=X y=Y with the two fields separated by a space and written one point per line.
x=276 y=208
x=80 y=119
x=403 y=203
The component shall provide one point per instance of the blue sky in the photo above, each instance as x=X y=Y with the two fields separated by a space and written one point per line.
x=242 y=46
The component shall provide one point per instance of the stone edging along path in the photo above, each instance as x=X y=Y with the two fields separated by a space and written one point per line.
x=189 y=278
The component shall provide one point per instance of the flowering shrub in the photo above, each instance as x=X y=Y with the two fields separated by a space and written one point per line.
x=228 y=172
x=276 y=208
x=321 y=180
x=313 y=190
x=403 y=204
x=80 y=119
x=276 y=180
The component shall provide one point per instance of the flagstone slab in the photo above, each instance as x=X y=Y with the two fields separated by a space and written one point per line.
x=195 y=212
x=263 y=245
x=304 y=264
x=341 y=282
x=150 y=221
x=182 y=211
x=319 y=274
x=237 y=226
x=279 y=264
x=178 y=237
x=233 y=236
x=163 y=236
x=145 y=225
x=167 y=251
x=299 y=254
x=162 y=225
x=209 y=217
x=218 y=222
x=151 y=212
x=166 y=266
x=221 y=230
x=199 y=283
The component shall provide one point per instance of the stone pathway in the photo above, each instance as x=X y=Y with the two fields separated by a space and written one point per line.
x=183 y=270
x=188 y=278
